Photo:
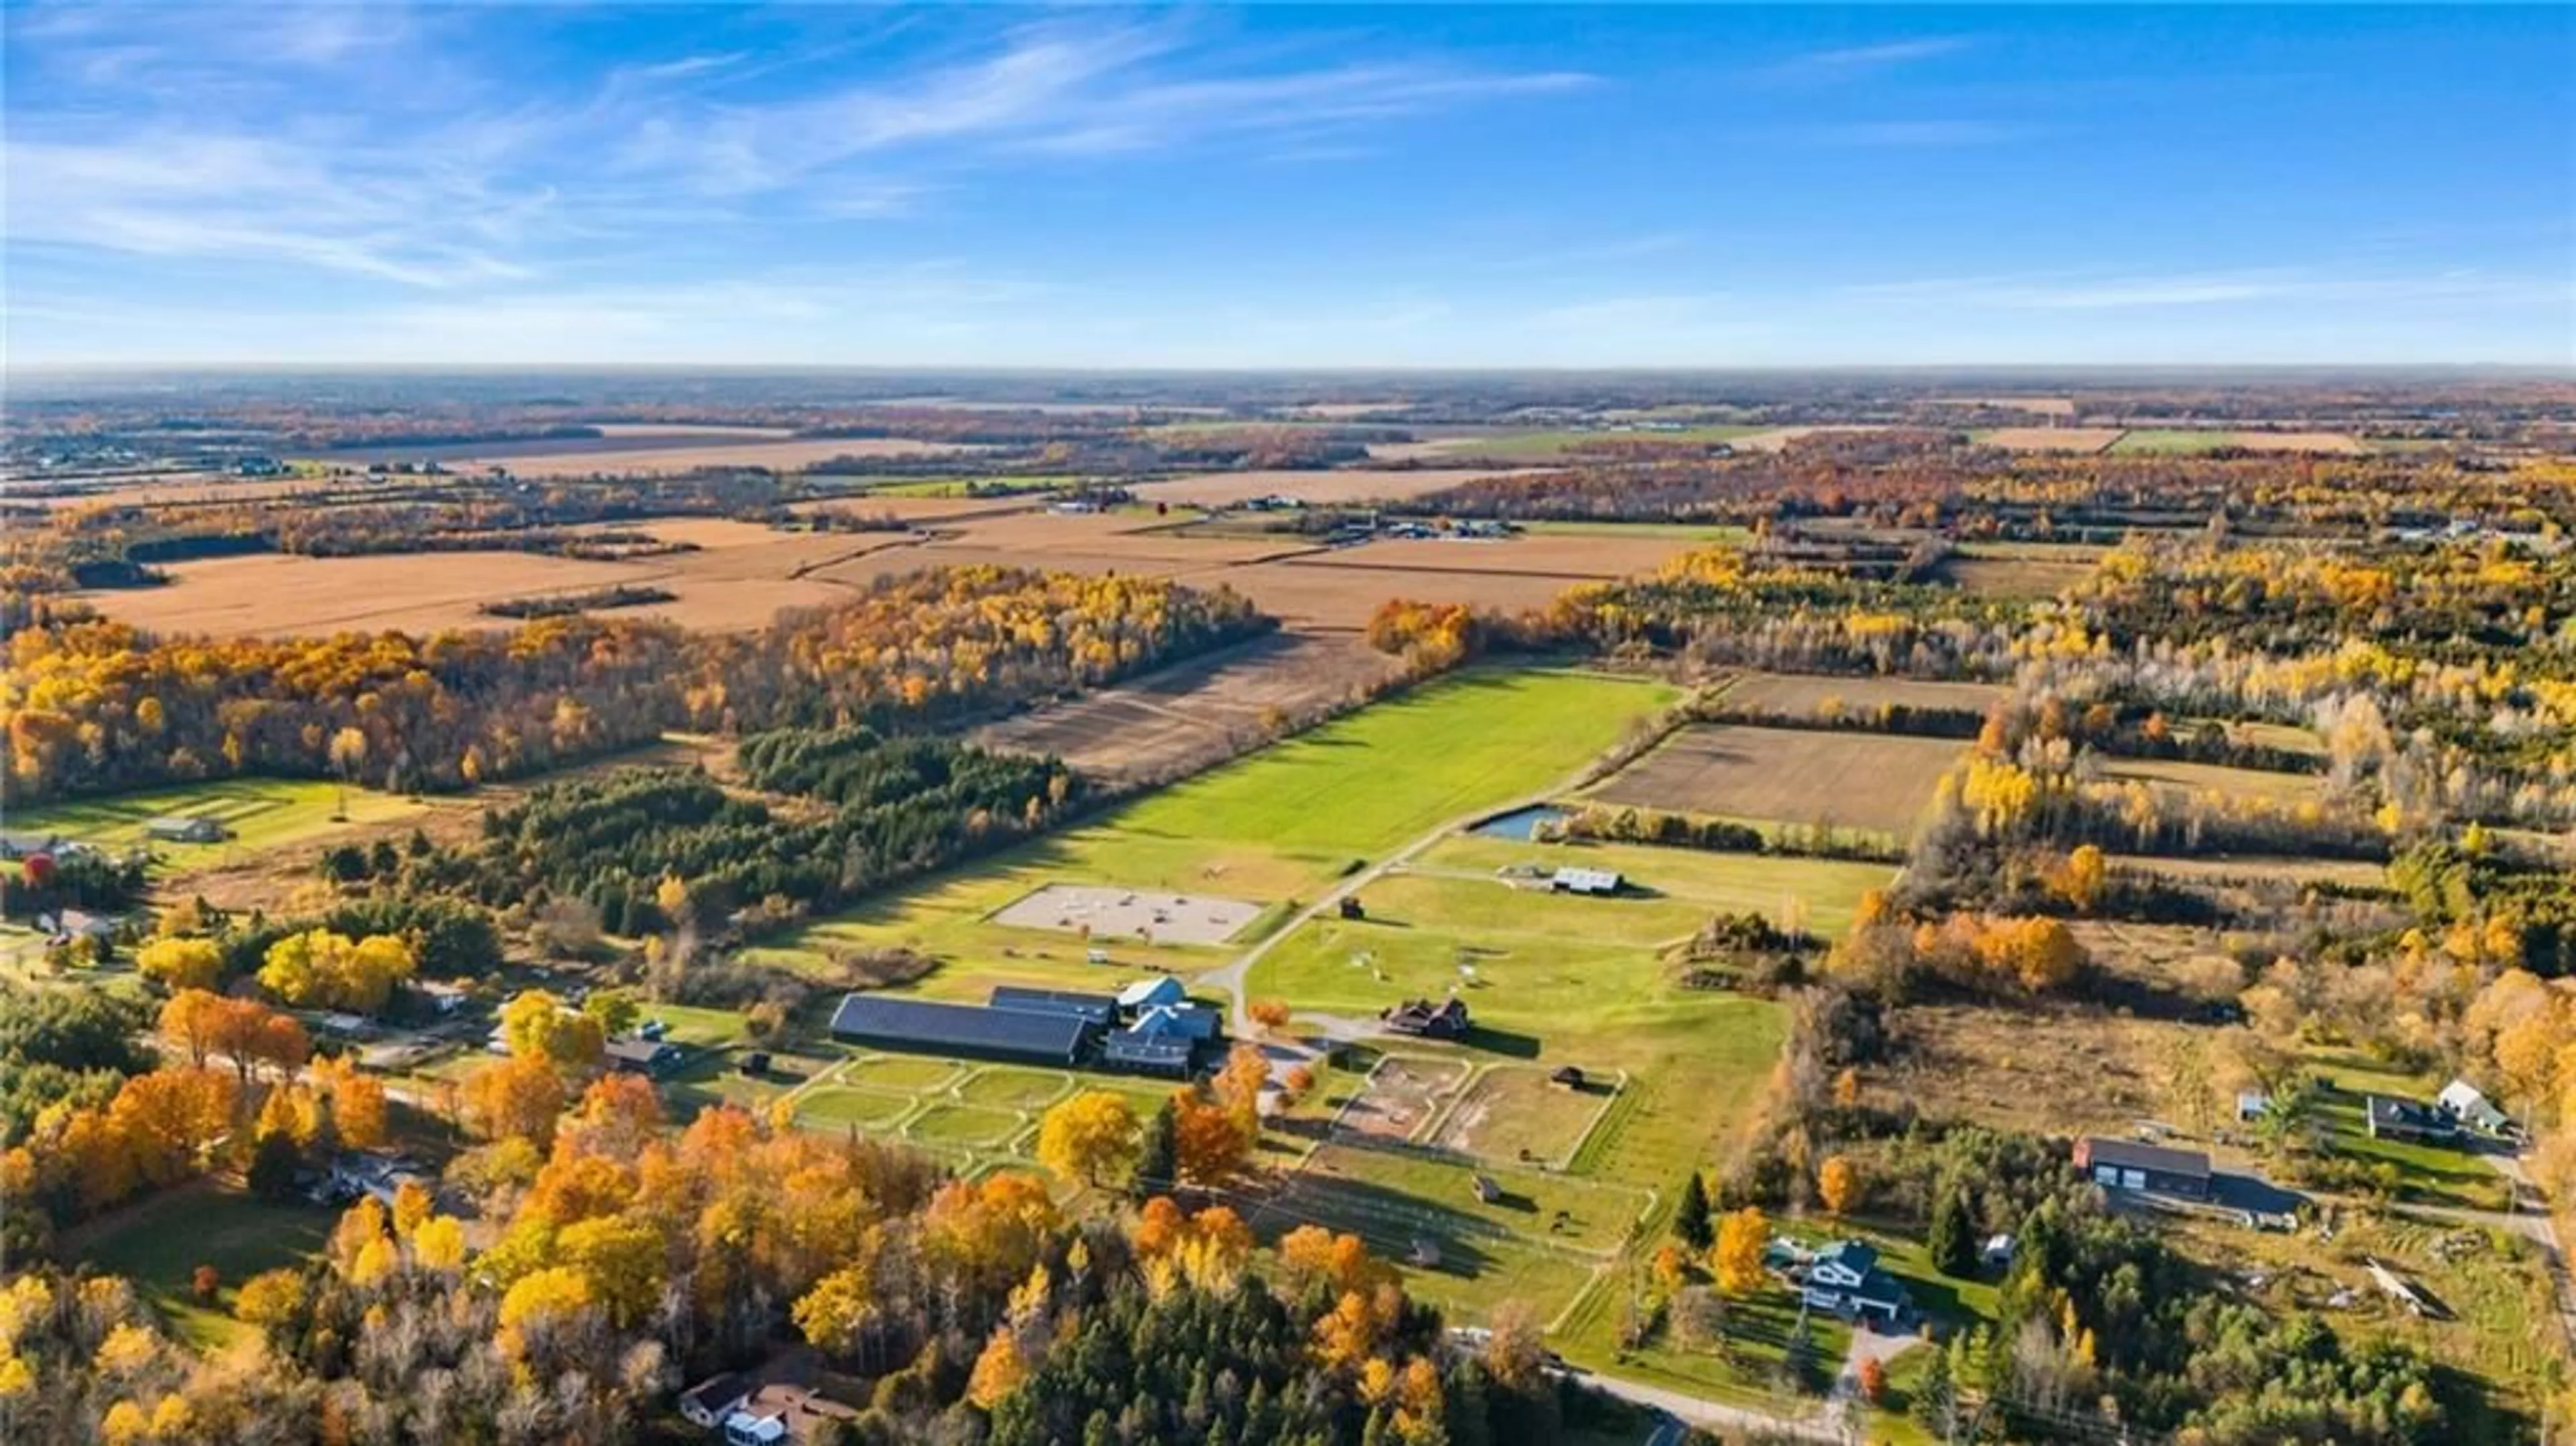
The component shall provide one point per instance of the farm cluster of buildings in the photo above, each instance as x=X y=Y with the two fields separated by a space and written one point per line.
x=1149 y=1027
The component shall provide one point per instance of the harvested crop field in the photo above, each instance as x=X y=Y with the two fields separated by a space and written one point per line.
x=1777 y=438
x=2014 y=574
x=1806 y=693
x=1872 y=781
x=1303 y=594
x=1198 y=711
x=2051 y=439
x=279 y=595
x=1359 y=484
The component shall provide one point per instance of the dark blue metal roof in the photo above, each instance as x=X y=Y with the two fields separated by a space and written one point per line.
x=920 y=1023
x=1097 y=1008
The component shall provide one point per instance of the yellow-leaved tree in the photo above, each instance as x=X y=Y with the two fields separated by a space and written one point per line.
x=1742 y=1236
x=1091 y=1138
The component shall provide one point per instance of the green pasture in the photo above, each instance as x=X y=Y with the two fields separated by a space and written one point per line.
x=261 y=813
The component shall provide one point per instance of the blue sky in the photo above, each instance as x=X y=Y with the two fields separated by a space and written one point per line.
x=1274 y=186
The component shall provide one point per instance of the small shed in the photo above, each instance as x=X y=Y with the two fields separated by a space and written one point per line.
x=756 y=1063
x=1351 y=907
x=195 y=829
x=1594 y=882
x=1567 y=1076
x=1488 y=1189
x=2252 y=1105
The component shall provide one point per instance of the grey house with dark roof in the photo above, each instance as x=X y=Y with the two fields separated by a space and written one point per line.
x=972 y=1031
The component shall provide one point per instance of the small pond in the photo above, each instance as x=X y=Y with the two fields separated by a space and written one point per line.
x=1521 y=823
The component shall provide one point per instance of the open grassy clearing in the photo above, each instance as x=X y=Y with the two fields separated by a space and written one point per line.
x=262 y=813
x=1874 y=782
x=2197 y=439
x=159 y=1244
x=2012 y=576
x=2045 y=1069
x=2172 y=776
x=1825 y=890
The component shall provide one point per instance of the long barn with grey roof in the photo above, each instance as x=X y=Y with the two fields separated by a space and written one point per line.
x=969 y=1030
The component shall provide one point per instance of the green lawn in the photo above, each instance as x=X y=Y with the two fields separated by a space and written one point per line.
x=2433 y=1173
x=834 y=1106
x=964 y=1125
x=901 y=1073
x=262 y=813
x=1004 y=1087
x=160 y=1243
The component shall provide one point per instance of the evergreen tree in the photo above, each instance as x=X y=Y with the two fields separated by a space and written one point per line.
x=1953 y=1240
x=273 y=1165
x=1160 y=1164
x=1932 y=1398
x=1798 y=1358
x=1690 y=1217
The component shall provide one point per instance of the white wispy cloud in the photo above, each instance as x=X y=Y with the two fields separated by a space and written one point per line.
x=376 y=142
x=1853 y=61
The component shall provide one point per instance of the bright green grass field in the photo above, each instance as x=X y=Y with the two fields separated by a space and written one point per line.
x=1545 y=965
x=261 y=812
x=160 y=1243
x=1277 y=825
